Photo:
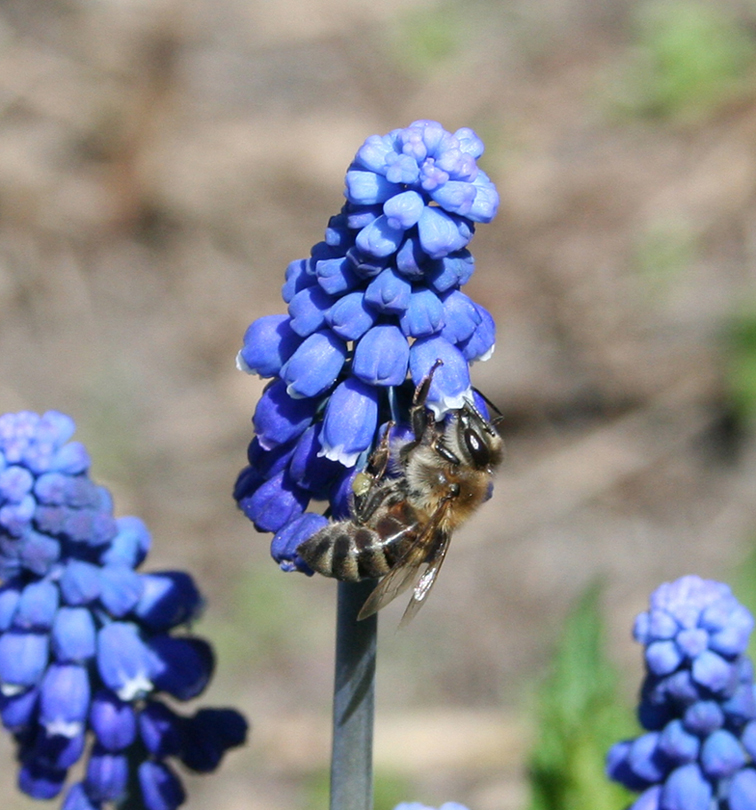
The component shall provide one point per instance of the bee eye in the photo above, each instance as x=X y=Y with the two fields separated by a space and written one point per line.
x=477 y=448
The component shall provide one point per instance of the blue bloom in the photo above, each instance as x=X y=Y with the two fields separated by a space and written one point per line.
x=370 y=312
x=85 y=646
x=698 y=703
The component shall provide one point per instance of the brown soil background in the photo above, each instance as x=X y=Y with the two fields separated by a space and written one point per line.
x=161 y=163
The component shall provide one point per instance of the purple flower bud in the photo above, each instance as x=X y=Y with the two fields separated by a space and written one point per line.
x=283 y=547
x=460 y=315
x=686 y=789
x=381 y=238
x=693 y=642
x=279 y=418
x=424 y=315
x=663 y=657
x=645 y=760
x=742 y=794
x=703 y=717
x=403 y=210
x=77 y=799
x=648 y=800
x=618 y=767
x=721 y=755
x=15 y=517
x=161 y=788
x=64 y=699
x=56 y=751
x=10 y=595
x=351 y=418
x=307 y=310
x=456 y=197
x=40 y=781
x=169 y=598
x=713 y=672
x=450 y=388
x=19 y=710
x=161 y=730
x=181 y=666
x=50 y=488
x=677 y=744
x=381 y=357
x=23 y=657
x=748 y=738
x=314 y=366
x=480 y=345
x=453 y=270
x=336 y=276
x=71 y=459
x=308 y=469
x=15 y=483
x=299 y=275
x=732 y=639
x=130 y=545
x=80 y=583
x=389 y=292
x=275 y=503
x=209 y=734
x=441 y=233
x=368 y=188
x=358 y=217
x=123 y=661
x=121 y=589
x=113 y=721
x=107 y=775
x=410 y=259
x=268 y=343
x=349 y=317
x=37 y=606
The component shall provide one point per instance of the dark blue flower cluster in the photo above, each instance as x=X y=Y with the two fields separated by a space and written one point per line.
x=86 y=643
x=379 y=298
x=698 y=703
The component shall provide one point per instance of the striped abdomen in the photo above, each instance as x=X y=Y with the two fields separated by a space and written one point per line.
x=351 y=552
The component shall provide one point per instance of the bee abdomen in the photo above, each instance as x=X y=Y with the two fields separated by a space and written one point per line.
x=347 y=552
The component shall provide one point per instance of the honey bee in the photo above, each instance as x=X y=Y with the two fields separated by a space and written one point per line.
x=399 y=524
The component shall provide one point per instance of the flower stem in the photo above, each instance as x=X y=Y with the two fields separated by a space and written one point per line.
x=354 y=688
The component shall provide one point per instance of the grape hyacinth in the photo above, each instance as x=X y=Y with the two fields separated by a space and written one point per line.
x=419 y=806
x=698 y=703
x=379 y=299
x=87 y=643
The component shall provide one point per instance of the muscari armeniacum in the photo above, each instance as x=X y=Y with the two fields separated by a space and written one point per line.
x=698 y=703
x=89 y=646
x=372 y=309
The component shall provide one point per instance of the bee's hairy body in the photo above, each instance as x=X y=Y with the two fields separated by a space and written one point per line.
x=398 y=524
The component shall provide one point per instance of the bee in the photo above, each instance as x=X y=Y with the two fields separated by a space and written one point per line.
x=400 y=524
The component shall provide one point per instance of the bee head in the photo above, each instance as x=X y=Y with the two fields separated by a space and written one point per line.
x=474 y=439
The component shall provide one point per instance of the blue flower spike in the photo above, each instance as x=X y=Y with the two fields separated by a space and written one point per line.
x=86 y=649
x=372 y=309
x=698 y=703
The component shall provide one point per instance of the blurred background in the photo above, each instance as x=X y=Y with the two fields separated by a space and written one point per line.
x=162 y=161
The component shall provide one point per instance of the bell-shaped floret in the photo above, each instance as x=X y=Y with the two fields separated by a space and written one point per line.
x=381 y=356
x=124 y=662
x=351 y=418
x=113 y=721
x=268 y=343
x=161 y=788
x=64 y=699
x=169 y=598
x=182 y=666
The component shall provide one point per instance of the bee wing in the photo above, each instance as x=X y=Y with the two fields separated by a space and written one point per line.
x=403 y=574
x=426 y=581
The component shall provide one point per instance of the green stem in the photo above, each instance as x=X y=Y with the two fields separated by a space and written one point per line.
x=353 y=696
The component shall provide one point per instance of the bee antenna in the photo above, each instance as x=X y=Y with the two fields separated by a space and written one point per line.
x=490 y=404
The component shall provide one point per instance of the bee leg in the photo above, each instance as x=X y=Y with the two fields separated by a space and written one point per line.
x=421 y=418
x=365 y=488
